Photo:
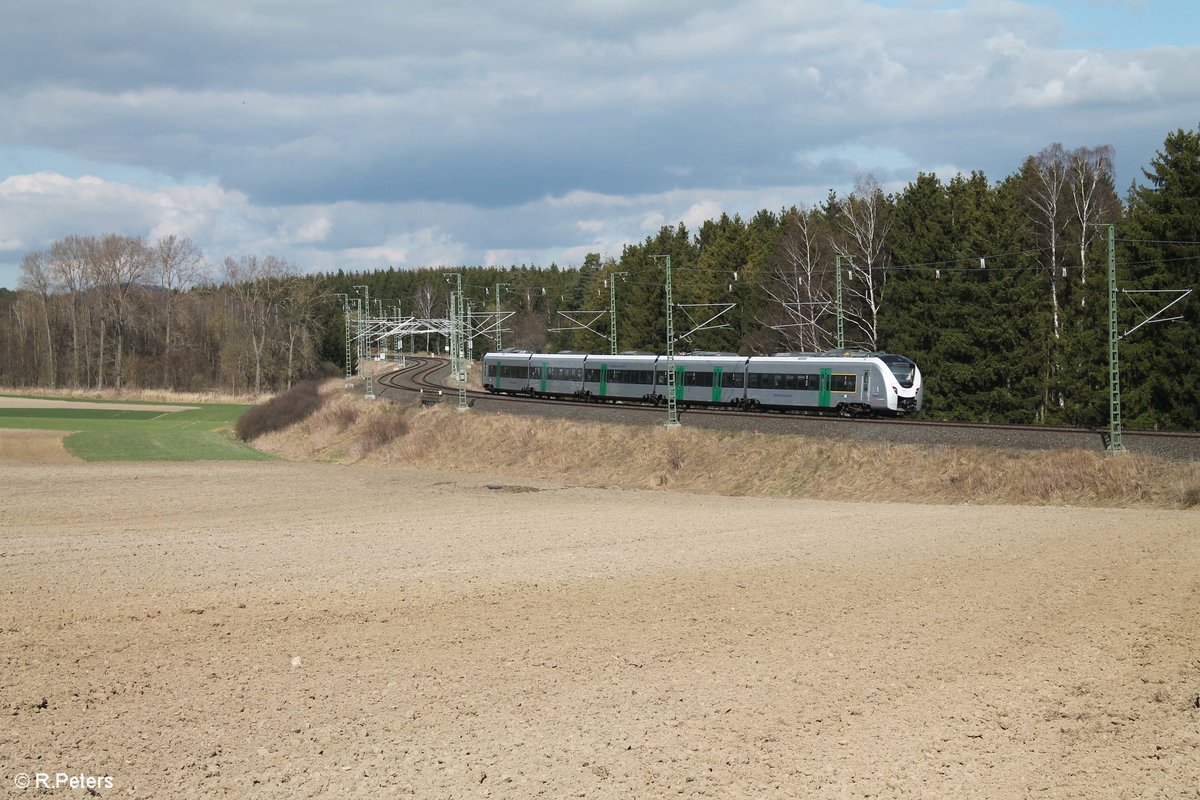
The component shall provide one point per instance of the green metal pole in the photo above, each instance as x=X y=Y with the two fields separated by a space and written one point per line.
x=1114 y=365
x=672 y=406
x=346 y=332
x=470 y=334
x=841 y=336
x=612 y=311
x=499 y=337
x=358 y=344
x=457 y=326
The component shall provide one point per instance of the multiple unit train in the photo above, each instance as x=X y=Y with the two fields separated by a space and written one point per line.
x=844 y=382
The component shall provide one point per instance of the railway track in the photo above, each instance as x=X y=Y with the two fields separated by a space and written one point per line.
x=424 y=376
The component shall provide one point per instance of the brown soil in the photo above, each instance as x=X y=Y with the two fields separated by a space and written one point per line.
x=300 y=630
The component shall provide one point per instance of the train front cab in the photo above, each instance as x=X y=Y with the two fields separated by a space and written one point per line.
x=905 y=390
x=506 y=373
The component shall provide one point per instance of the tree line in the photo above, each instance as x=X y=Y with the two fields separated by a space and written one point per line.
x=116 y=311
x=998 y=289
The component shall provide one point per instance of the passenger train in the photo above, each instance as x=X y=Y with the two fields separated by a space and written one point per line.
x=852 y=383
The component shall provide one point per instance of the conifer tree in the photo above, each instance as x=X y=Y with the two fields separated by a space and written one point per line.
x=1161 y=376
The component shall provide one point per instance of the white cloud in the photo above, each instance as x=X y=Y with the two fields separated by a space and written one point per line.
x=332 y=135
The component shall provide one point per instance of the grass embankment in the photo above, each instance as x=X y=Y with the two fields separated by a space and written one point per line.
x=347 y=429
x=101 y=434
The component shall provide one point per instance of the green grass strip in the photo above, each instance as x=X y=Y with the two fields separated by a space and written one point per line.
x=200 y=433
x=177 y=445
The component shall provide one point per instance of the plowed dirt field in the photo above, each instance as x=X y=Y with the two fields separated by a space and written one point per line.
x=302 y=630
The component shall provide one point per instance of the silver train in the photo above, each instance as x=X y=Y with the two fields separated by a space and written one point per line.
x=846 y=382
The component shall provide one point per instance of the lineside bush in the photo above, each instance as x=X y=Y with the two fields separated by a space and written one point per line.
x=279 y=412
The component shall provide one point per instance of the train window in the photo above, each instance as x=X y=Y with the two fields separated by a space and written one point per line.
x=843 y=383
x=733 y=380
x=697 y=379
x=810 y=383
x=491 y=370
x=592 y=375
x=903 y=368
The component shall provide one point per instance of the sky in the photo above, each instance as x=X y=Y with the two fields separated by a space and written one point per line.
x=384 y=133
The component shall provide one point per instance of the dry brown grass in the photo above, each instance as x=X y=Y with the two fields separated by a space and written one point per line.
x=691 y=460
x=381 y=428
x=147 y=395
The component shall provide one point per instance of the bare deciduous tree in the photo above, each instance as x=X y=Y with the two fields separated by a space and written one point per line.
x=36 y=279
x=258 y=284
x=297 y=304
x=1045 y=190
x=423 y=304
x=796 y=282
x=69 y=263
x=864 y=221
x=120 y=263
x=178 y=264
x=1090 y=178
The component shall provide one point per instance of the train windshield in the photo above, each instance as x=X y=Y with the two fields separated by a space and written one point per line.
x=904 y=369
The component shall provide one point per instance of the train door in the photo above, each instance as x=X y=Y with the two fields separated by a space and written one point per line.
x=823 y=381
x=718 y=374
x=604 y=380
x=545 y=373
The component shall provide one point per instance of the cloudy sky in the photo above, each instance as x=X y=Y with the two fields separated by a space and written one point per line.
x=392 y=132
